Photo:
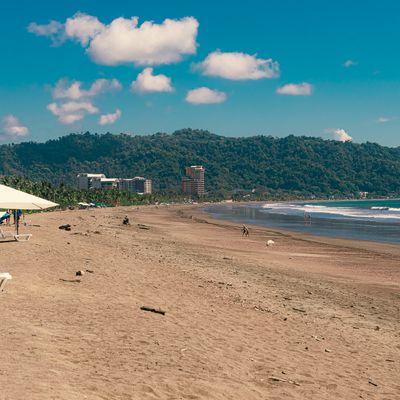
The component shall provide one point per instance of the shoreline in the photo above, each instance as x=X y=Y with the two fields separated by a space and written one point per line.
x=301 y=231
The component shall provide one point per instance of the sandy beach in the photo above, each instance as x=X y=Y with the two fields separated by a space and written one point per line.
x=308 y=318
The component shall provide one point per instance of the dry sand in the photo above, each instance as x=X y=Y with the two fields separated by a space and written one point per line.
x=310 y=318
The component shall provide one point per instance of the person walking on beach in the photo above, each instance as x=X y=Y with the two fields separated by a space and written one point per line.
x=245 y=231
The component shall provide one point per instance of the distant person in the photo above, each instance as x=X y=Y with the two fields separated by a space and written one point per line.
x=126 y=220
x=4 y=217
x=8 y=219
x=19 y=216
x=307 y=218
x=245 y=231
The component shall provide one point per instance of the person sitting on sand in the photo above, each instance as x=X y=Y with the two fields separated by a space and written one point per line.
x=126 y=220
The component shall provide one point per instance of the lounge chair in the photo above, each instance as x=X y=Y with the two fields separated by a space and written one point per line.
x=18 y=237
x=4 y=278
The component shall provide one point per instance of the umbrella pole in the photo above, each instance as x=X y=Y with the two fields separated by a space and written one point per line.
x=16 y=221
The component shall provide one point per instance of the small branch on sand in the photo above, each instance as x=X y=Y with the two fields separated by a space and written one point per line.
x=154 y=310
x=275 y=379
x=298 y=309
x=70 y=280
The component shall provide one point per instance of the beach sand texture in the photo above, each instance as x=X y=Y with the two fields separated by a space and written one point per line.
x=308 y=318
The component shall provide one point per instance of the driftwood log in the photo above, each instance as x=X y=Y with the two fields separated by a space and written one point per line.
x=154 y=310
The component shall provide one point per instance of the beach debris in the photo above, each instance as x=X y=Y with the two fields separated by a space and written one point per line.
x=141 y=226
x=154 y=310
x=317 y=338
x=270 y=243
x=372 y=383
x=66 y=227
x=80 y=273
x=328 y=351
x=260 y=308
x=90 y=271
x=276 y=379
x=298 y=309
x=70 y=280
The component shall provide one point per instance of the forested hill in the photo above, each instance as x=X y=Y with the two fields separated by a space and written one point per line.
x=305 y=164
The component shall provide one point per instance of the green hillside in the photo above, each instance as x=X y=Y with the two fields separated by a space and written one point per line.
x=305 y=164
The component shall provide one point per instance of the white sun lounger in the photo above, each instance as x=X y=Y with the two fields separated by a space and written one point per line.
x=4 y=278
x=19 y=238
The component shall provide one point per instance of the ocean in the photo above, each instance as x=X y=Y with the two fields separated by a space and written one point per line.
x=374 y=220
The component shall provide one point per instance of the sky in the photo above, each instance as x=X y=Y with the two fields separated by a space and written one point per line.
x=304 y=67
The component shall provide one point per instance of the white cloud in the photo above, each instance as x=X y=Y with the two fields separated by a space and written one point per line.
x=147 y=82
x=238 y=66
x=83 y=28
x=296 y=89
x=340 y=134
x=107 y=119
x=72 y=111
x=349 y=63
x=54 y=30
x=205 y=95
x=73 y=90
x=12 y=128
x=382 y=120
x=125 y=41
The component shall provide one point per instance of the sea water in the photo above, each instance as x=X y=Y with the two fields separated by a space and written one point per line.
x=375 y=220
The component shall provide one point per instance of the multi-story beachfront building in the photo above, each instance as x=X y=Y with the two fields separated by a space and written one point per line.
x=138 y=184
x=193 y=182
x=89 y=181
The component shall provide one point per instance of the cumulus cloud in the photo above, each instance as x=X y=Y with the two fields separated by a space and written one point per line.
x=296 y=89
x=238 y=66
x=12 y=128
x=204 y=95
x=54 y=30
x=72 y=111
x=147 y=82
x=73 y=90
x=107 y=119
x=340 y=134
x=349 y=63
x=83 y=28
x=125 y=41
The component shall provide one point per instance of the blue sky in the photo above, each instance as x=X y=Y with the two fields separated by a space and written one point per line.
x=263 y=67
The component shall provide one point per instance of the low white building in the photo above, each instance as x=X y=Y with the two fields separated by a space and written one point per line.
x=138 y=184
x=89 y=181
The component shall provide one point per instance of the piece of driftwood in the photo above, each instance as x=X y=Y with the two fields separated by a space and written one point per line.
x=154 y=310
x=276 y=379
x=298 y=309
x=141 y=226
x=70 y=280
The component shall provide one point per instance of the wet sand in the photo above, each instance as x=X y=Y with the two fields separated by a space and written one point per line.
x=308 y=318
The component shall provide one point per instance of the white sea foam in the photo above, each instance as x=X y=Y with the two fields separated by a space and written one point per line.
x=297 y=209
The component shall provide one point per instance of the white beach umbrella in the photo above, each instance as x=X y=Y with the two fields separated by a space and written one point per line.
x=16 y=200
